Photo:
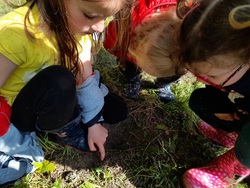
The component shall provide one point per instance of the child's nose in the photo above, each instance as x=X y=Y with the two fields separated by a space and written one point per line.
x=99 y=26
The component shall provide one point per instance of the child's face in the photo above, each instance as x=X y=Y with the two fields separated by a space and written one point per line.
x=86 y=17
x=226 y=74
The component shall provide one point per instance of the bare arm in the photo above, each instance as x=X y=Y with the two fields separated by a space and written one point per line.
x=6 y=68
x=85 y=58
x=97 y=134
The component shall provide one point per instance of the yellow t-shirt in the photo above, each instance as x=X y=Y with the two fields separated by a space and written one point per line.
x=30 y=56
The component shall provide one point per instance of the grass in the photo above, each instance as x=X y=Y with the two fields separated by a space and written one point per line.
x=152 y=148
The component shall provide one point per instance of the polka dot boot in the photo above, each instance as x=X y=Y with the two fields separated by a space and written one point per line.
x=217 y=135
x=220 y=173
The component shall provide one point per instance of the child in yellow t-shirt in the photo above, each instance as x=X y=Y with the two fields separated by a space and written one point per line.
x=46 y=77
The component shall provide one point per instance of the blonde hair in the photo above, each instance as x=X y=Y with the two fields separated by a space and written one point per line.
x=154 y=45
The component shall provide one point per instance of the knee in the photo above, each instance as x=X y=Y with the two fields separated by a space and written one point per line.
x=61 y=79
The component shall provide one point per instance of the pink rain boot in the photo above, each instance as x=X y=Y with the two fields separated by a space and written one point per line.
x=222 y=137
x=220 y=173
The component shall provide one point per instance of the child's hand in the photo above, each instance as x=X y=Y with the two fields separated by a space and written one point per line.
x=97 y=135
x=228 y=117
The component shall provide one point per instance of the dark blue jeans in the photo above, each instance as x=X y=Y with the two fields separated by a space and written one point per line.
x=49 y=100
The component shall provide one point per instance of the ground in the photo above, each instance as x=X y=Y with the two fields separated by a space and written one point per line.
x=152 y=148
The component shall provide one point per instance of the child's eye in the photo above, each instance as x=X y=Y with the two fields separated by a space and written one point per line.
x=89 y=17
x=212 y=77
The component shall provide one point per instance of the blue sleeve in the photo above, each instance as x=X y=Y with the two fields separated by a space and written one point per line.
x=91 y=100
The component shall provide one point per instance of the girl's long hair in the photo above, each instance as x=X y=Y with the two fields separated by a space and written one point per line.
x=54 y=20
x=54 y=17
x=122 y=23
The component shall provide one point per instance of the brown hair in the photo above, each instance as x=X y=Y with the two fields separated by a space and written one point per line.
x=54 y=16
x=207 y=31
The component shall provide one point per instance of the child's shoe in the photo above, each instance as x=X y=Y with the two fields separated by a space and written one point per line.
x=217 y=135
x=71 y=135
x=220 y=173
x=165 y=93
x=134 y=86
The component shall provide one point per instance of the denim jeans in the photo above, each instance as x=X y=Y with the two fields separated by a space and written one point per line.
x=18 y=150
